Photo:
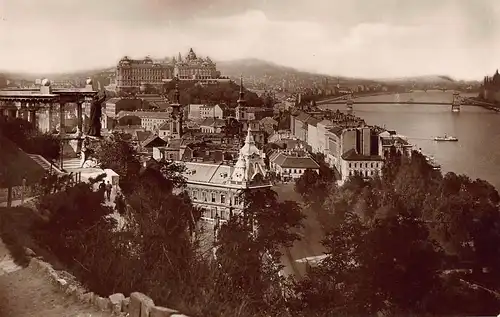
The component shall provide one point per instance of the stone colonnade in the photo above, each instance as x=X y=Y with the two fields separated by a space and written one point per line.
x=27 y=109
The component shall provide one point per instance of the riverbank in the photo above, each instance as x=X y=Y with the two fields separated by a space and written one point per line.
x=477 y=129
x=356 y=95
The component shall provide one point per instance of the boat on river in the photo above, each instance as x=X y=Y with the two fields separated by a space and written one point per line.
x=445 y=138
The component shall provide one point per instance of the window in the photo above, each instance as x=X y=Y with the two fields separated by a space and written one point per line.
x=222 y=199
x=294 y=171
x=213 y=197
x=195 y=195
x=204 y=196
x=350 y=165
x=236 y=200
x=355 y=165
x=372 y=165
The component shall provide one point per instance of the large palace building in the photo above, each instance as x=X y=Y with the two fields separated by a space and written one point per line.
x=131 y=74
x=491 y=88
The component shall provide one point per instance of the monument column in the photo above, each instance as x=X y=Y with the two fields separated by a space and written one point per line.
x=50 y=117
x=19 y=112
x=61 y=117
x=32 y=116
x=12 y=111
x=25 y=113
x=79 y=114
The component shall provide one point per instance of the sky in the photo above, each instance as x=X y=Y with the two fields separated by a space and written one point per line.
x=358 y=38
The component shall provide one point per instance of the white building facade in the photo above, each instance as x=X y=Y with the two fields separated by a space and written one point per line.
x=216 y=188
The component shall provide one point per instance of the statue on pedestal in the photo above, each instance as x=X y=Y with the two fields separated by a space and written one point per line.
x=95 y=116
x=86 y=153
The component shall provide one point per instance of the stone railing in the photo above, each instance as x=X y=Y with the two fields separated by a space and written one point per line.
x=137 y=305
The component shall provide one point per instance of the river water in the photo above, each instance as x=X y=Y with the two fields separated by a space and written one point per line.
x=476 y=154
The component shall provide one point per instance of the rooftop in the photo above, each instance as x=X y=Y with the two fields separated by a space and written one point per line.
x=143 y=135
x=352 y=155
x=389 y=141
x=145 y=114
x=285 y=160
x=208 y=173
x=213 y=122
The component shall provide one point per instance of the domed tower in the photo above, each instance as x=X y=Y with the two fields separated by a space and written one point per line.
x=191 y=55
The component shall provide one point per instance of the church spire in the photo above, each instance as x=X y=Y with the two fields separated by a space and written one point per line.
x=241 y=99
x=249 y=139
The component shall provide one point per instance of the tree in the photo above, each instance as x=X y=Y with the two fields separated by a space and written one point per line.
x=72 y=214
x=311 y=186
x=248 y=249
x=331 y=287
x=325 y=171
x=117 y=154
x=374 y=269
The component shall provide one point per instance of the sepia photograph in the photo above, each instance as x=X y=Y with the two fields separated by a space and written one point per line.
x=249 y=158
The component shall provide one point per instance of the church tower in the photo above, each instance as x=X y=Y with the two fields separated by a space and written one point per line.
x=176 y=116
x=241 y=107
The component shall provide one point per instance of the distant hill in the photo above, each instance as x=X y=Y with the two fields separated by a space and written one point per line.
x=271 y=74
x=257 y=74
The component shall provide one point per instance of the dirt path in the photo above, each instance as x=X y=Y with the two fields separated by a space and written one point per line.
x=25 y=292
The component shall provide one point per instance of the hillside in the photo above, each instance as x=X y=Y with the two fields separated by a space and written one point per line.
x=257 y=74
x=256 y=71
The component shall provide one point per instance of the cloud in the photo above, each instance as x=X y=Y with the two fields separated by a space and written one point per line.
x=353 y=38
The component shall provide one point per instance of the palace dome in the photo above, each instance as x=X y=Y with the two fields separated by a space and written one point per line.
x=88 y=81
x=45 y=82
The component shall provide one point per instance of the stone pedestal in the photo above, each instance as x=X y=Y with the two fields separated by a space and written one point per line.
x=32 y=117
x=50 y=118
x=62 y=128
x=79 y=115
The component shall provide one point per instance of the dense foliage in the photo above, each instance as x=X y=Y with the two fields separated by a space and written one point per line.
x=25 y=135
x=117 y=154
x=396 y=244
x=195 y=93
x=158 y=249
x=400 y=244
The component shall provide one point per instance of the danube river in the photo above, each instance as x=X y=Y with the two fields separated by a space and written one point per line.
x=477 y=152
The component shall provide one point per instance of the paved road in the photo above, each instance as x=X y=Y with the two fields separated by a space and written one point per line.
x=24 y=292
x=311 y=236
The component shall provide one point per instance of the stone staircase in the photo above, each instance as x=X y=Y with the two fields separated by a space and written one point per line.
x=45 y=164
x=72 y=163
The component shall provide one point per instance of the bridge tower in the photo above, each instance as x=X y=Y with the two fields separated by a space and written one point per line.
x=349 y=102
x=457 y=102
